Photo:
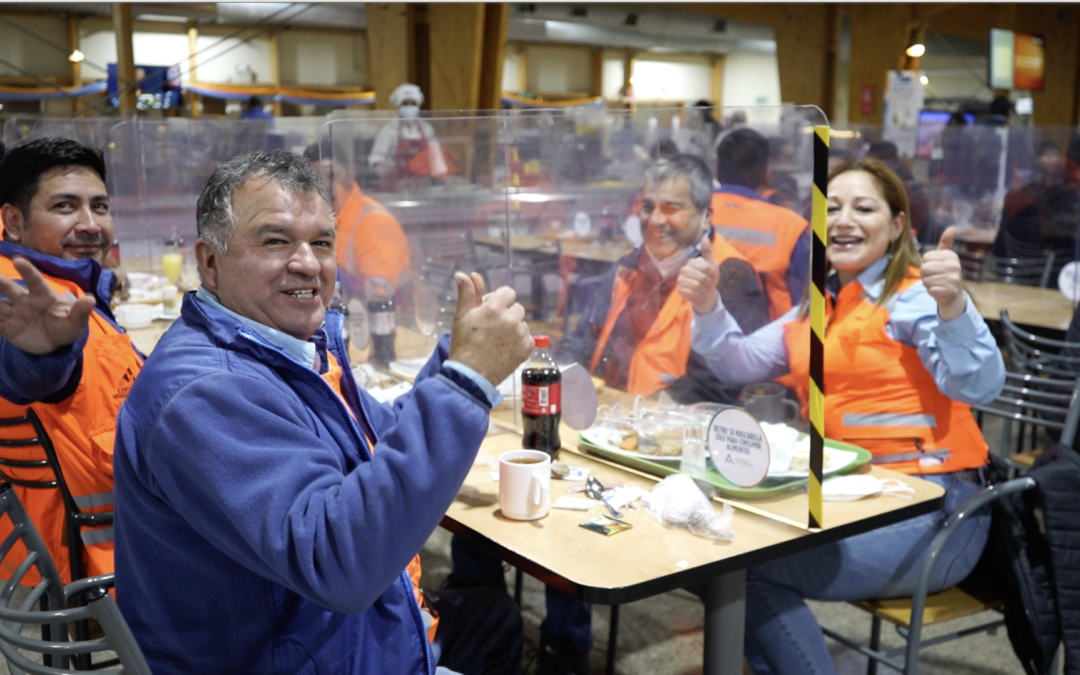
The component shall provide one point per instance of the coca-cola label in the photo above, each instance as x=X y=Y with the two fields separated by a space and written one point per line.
x=543 y=399
x=382 y=323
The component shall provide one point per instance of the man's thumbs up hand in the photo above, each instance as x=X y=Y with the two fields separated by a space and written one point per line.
x=698 y=280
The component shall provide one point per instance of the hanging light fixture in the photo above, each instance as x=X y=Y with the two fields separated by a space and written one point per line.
x=915 y=49
x=76 y=56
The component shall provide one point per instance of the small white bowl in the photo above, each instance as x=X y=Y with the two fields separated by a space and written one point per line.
x=134 y=316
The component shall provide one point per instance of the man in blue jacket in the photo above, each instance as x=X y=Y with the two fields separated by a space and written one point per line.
x=268 y=510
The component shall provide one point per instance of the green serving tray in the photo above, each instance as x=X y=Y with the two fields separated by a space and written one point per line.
x=770 y=487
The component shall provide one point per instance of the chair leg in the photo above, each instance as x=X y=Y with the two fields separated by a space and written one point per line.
x=519 y=578
x=613 y=638
x=875 y=644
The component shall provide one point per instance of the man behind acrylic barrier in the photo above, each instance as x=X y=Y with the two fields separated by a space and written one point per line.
x=269 y=512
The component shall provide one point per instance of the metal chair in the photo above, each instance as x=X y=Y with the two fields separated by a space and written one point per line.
x=16 y=458
x=1036 y=271
x=99 y=606
x=911 y=615
x=1028 y=399
x=1033 y=401
x=1030 y=353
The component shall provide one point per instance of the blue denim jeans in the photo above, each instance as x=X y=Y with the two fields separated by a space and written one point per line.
x=782 y=635
x=567 y=617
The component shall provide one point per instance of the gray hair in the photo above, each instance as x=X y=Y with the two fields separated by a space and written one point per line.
x=694 y=168
x=214 y=215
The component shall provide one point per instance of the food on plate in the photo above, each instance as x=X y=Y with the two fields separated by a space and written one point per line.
x=800 y=461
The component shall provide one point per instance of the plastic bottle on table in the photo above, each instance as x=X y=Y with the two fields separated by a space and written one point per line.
x=606 y=223
x=381 y=319
x=541 y=399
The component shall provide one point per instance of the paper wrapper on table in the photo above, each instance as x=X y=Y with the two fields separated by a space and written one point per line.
x=677 y=502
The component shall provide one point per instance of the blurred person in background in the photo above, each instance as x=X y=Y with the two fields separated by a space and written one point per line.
x=254 y=109
x=906 y=355
x=62 y=353
x=1044 y=214
x=370 y=241
x=781 y=190
x=774 y=239
x=406 y=150
x=918 y=200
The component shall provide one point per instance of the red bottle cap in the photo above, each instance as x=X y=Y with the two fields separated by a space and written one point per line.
x=541 y=341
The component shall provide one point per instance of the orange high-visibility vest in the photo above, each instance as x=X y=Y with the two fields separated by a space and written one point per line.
x=766 y=234
x=333 y=377
x=370 y=242
x=82 y=428
x=878 y=393
x=660 y=358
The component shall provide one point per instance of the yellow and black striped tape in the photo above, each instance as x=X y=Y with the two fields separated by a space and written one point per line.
x=817 y=322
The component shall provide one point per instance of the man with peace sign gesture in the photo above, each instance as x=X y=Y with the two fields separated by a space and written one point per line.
x=61 y=353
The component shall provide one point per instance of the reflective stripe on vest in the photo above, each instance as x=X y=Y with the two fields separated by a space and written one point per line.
x=91 y=537
x=889 y=420
x=942 y=453
x=94 y=501
x=745 y=235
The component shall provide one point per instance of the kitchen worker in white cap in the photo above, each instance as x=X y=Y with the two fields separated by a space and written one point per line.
x=406 y=151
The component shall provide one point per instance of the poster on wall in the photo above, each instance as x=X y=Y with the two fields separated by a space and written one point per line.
x=903 y=101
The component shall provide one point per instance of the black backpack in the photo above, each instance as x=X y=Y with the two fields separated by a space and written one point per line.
x=1016 y=564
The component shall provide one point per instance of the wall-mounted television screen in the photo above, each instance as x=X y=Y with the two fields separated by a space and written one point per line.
x=1017 y=60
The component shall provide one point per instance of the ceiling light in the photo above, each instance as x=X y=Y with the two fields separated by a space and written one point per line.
x=915 y=50
x=76 y=56
x=924 y=79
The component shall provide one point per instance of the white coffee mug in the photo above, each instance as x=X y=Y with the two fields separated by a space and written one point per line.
x=524 y=484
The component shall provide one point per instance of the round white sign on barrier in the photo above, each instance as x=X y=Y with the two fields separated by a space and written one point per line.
x=1069 y=281
x=738 y=447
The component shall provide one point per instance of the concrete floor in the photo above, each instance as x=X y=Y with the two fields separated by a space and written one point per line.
x=663 y=635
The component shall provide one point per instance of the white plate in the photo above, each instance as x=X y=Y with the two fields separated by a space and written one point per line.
x=599 y=436
x=838 y=459
x=407 y=369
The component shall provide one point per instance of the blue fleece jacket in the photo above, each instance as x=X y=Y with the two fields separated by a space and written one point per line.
x=256 y=532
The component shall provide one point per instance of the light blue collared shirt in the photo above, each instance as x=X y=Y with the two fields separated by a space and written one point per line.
x=961 y=354
x=304 y=351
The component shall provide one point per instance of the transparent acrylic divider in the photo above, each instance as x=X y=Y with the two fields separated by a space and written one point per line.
x=551 y=202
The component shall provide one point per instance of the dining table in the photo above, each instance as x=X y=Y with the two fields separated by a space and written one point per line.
x=1027 y=305
x=650 y=558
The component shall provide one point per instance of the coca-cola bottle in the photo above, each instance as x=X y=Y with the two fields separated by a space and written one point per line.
x=541 y=399
x=382 y=322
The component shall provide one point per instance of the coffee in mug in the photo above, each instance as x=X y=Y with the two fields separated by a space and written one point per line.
x=524 y=484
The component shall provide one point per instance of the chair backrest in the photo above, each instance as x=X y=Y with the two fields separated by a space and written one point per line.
x=99 y=606
x=1036 y=400
x=14 y=458
x=1034 y=271
x=452 y=245
x=965 y=512
x=1026 y=271
x=1030 y=353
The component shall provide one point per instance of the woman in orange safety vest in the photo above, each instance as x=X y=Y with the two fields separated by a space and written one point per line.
x=906 y=354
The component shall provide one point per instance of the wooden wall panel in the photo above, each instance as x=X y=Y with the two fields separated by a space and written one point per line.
x=457 y=41
x=389 y=49
x=879 y=34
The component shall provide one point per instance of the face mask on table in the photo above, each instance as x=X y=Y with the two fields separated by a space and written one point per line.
x=409 y=111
